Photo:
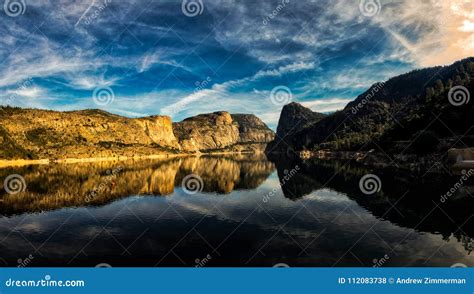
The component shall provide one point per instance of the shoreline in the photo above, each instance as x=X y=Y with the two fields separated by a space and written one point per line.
x=408 y=162
x=71 y=160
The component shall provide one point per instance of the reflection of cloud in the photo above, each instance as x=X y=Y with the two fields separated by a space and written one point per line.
x=153 y=224
x=328 y=195
x=31 y=227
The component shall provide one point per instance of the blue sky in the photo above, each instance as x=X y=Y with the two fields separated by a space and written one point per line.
x=157 y=57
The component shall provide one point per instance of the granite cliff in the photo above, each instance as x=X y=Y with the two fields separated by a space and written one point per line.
x=222 y=131
x=252 y=129
x=294 y=118
x=207 y=132
x=45 y=134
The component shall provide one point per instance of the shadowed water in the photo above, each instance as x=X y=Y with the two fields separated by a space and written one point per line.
x=247 y=211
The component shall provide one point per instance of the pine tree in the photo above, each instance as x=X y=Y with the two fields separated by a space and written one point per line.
x=429 y=93
x=439 y=87
x=458 y=80
x=449 y=85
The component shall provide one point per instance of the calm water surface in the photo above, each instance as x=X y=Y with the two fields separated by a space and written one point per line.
x=139 y=214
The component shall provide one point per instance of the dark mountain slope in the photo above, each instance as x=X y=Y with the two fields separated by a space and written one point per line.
x=413 y=108
x=294 y=118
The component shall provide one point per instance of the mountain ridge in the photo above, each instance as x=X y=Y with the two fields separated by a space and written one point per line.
x=27 y=134
x=404 y=108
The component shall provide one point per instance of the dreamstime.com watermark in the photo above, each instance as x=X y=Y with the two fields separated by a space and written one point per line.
x=281 y=265
x=44 y=282
x=370 y=184
x=381 y=261
x=14 y=184
x=459 y=95
x=25 y=261
x=192 y=8
x=192 y=184
x=14 y=8
x=459 y=265
x=181 y=104
x=203 y=262
x=370 y=8
x=367 y=97
x=103 y=265
x=201 y=85
x=87 y=18
x=108 y=181
x=288 y=175
x=21 y=86
x=103 y=96
x=281 y=95
x=275 y=12
x=466 y=175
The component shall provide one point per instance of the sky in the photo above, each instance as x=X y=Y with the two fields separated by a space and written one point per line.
x=182 y=58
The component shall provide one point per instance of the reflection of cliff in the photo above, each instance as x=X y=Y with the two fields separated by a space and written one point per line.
x=225 y=174
x=56 y=186
x=314 y=176
x=405 y=199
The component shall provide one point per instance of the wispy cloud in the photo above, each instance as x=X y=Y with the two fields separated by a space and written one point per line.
x=32 y=92
x=152 y=55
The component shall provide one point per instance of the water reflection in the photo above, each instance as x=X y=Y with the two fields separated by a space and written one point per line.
x=414 y=194
x=140 y=215
x=406 y=199
x=69 y=185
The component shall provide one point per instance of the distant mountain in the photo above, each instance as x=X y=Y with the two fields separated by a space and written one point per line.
x=294 y=118
x=410 y=113
x=252 y=129
x=223 y=131
x=207 y=131
x=45 y=134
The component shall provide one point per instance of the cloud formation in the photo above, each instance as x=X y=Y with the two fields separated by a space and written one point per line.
x=158 y=60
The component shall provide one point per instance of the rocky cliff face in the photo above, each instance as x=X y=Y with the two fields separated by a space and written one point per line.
x=222 y=131
x=159 y=129
x=293 y=119
x=42 y=134
x=207 y=132
x=78 y=134
x=252 y=129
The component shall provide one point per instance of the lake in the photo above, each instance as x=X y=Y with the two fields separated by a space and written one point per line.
x=232 y=211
